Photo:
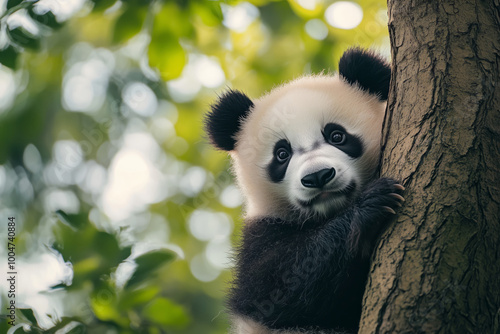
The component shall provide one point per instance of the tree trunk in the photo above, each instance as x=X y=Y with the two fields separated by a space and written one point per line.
x=437 y=269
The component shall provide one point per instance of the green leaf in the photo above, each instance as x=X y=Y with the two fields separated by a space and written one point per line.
x=61 y=324
x=103 y=301
x=46 y=17
x=175 y=19
x=128 y=24
x=210 y=12
x=58 y=286
x=24 y=38
x=167 y=313
x=153 y=259
x=20 y=330
x=149 y=262
x=77 y=329
x=100 y=5
x=77 y=221
x=93 y=253
x=167 y=55
x=131 y=298
x=13 y=3
x=165 y=52
x=28 y=314
x=8 y=57
x=138 y=2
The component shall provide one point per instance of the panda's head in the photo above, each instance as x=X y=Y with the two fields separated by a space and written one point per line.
x=309 y=146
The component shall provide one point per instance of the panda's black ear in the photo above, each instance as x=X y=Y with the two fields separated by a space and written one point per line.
x=366 y=69
x=224 y=119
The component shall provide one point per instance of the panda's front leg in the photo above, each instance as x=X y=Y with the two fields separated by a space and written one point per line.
x=372 y=210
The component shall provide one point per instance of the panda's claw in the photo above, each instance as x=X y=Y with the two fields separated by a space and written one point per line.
x=398 y=197
x=399 y=187
x=389 y=209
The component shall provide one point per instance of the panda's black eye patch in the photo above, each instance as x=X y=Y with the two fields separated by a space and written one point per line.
x=338 y=136
x=282 y=153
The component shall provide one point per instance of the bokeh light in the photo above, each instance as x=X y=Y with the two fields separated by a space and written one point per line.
x=139 y=98
x=231 y=197
x=206 y=225
x=239 y=17
x=86 y=81
x=344 y=15
x=317 y=29
x=309 y=4
x=134 y=180
x=7 y=88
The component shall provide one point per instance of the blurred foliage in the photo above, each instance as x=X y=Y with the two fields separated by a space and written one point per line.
x=124 y=214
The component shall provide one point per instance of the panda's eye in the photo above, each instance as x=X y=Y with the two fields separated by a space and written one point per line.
x=337 y=137
x=282 y=155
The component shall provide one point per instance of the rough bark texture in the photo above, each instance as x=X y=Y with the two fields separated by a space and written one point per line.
x=437 y=269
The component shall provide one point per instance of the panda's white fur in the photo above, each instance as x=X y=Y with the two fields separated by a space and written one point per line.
x=242 y=325
x=305 y=157
x=298 y=111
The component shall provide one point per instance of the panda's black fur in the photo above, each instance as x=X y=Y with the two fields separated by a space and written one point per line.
x=307 y=275
x=224 y=120
x=311 y=275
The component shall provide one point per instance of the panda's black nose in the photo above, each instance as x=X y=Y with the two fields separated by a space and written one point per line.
x=319 y=178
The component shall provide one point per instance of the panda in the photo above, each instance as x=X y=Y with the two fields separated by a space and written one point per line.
x=305 y=157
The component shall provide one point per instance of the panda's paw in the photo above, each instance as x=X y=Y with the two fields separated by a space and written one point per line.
x=382 y=197
x=376 y=205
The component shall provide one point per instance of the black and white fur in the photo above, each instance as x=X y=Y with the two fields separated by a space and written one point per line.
x=305 y=157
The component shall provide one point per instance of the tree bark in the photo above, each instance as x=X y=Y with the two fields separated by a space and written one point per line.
x=437 y=269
